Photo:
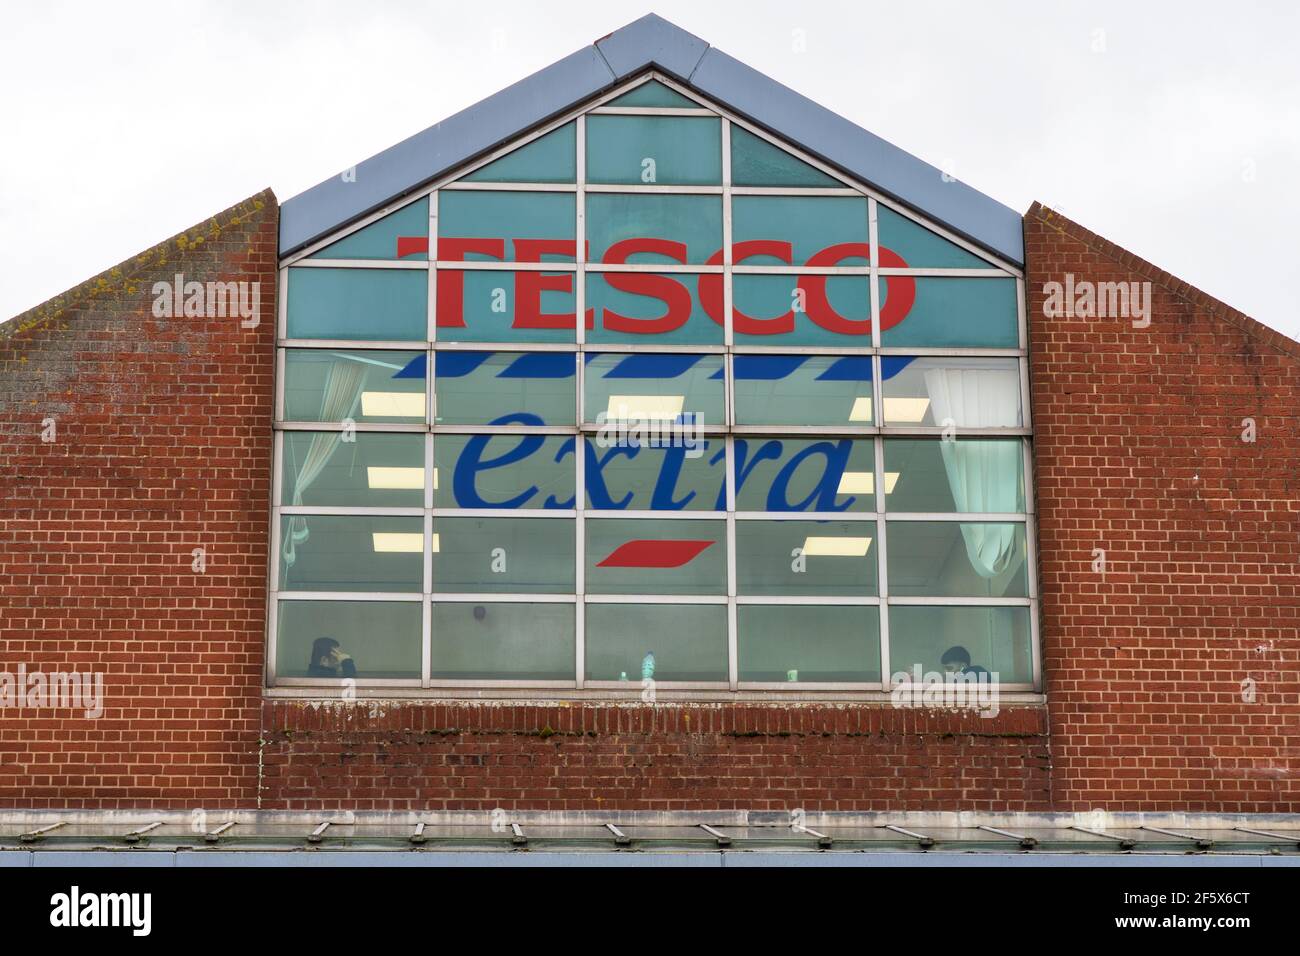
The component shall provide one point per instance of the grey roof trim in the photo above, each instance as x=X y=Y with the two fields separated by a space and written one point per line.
x=650 y=42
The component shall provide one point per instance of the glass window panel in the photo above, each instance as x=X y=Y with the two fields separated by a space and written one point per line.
x=951 y=391
x=654 y=387
x=798 y=643
x=373 y=305
x=917 y=247
x=504 y=471
x=362 y=639
x=677 y=150
x=503 y=555
x=503 y=641
x=787 y=310
x=640 y=228
x=676 y=472
x=670 y=642
x=803 y=389
x=645 y=556
x=756 y=162
x=652 y=93
x=957 y=559
x=503 y=223
x=788 y=474
x=827 y=558
x=551 y=158
x=650 y=309
x=403 y=234
x=505 y=306
x=942 y=311
x=366 y=385
x=982 y=475
x=479 y=388
x=363 y=553
x=375 y=470
x=810 y=225
x=996 y=639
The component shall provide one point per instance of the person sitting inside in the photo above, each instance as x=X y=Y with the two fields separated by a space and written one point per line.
x=956 y=662
x=328 y=659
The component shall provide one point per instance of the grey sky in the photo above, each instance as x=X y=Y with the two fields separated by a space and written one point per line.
x=1171 y=128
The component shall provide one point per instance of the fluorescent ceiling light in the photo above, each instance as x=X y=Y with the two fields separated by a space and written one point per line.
x=645 y=407
x=908 y=410
x=861 y=410
x=398 y=542
x=392 y=404
x=383 y=478
x=437 y=542
x=837 y=547
x=864 y=483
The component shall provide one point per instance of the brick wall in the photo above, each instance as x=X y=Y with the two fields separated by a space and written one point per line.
x=1140 y=454
x=161 y=444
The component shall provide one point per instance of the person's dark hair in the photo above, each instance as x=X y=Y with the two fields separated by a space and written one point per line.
x=320 y=647
x=955 y=655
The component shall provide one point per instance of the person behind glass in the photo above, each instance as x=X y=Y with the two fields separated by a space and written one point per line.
x=956 y=663
x=328 y=659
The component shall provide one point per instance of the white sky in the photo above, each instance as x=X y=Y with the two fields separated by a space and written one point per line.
x=1171 y=128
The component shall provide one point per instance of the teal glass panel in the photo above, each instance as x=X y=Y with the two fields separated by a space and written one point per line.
x=951 y=391
x=671 y=642
x=659 y=387
x=650 y=308
x=503 y=555
x=512 y=218
x=948 y=311
x=365 y=385
x=918 y=247
x=643 y=222
x=788 y=474
x=812 y=225
x=499 y=306
x=551 y=158
x=478 y=388
x=803 y=389
x=373 y=305
x=403 y=234
x=996 y=640
x=816 y=558
x=785 y=310
x=504 y=471
x=503 y=641
x=802 y=644
x=965 y=475
x=668 y=150
x=652 y=93
x=756 y=162
x=681 y=472
x=368 y=640
x=365 y=553
x=651 y=556
x=372 y=470
x=957 y=559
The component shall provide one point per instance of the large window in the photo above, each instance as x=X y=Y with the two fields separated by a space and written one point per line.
x=650 y=394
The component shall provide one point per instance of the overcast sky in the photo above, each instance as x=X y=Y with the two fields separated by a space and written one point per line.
x=1171 y=128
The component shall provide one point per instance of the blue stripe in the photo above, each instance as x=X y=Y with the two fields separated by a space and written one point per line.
x=459 y=364
x=418 y=367
x=891 y=365
x=855 y=368
x=765 y=368
x=648 y=365
x=541 y=365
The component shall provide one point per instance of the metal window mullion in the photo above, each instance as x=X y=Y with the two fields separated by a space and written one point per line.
x=873 y=245
x=733 y=637
x=882 y=562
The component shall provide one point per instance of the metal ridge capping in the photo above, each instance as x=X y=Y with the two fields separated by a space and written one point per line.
x=650 y=42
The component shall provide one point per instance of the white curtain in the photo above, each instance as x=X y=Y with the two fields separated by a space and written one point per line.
x=981 y=474
x=342 y=392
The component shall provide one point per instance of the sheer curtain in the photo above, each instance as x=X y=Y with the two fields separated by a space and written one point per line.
x=983 y=475
x=342 y=392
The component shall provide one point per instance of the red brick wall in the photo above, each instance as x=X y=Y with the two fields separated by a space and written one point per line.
x=162 y=445
x=460 y=756
x=1139 y=451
